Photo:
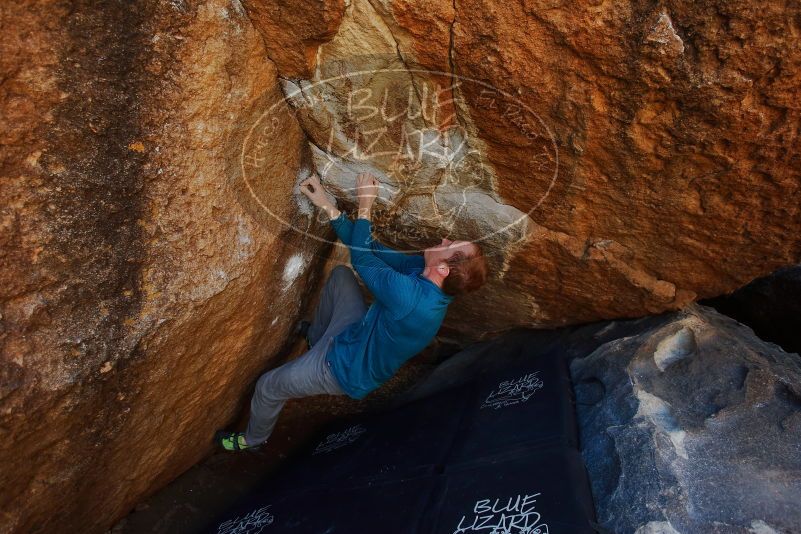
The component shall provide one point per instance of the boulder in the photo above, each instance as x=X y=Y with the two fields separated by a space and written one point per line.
x=614 y=159
x=690 y=423
x=143 y=287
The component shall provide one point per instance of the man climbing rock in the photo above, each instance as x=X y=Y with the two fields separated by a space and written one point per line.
x=353 y=349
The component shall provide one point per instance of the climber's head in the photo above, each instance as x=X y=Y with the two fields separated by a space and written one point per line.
x=456 y=266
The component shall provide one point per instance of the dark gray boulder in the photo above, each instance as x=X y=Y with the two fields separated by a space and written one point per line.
x=689 y=423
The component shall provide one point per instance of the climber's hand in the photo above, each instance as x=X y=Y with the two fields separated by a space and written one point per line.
x=366 y=189
x=315 y=191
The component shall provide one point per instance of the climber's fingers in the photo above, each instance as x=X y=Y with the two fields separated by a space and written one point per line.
x=365 y=178
x=366 y=186
x=305 y=187
x=310 y=185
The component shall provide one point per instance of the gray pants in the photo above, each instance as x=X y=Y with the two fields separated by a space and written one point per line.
x=341 y=304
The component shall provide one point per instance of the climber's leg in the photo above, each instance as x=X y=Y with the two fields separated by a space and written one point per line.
x=303 y=377
x=341 y=303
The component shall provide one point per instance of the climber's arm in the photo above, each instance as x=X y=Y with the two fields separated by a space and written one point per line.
x=316 y=193
x=399 y=261
x=404 y=263
x=343 y=227
x=393 y=289
x=390 y=287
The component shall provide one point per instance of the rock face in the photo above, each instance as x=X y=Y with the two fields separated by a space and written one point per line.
x=142 y=288
x=690 y=423
x=771 y=305
x=615 y=159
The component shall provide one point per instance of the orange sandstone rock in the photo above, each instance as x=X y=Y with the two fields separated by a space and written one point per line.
x=293 y=29
x=142 y=289
x=616 y=159
x=651 y=152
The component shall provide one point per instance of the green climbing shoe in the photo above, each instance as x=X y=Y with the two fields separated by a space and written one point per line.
x=233 y=441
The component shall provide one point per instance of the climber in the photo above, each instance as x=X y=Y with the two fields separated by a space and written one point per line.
x=353 y=349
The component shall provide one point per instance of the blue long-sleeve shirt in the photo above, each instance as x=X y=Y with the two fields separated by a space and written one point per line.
x=405 y=316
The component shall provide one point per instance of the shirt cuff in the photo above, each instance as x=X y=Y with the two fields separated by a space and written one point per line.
x=362 y=233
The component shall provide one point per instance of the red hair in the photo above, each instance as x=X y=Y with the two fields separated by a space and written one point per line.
x=466 y=273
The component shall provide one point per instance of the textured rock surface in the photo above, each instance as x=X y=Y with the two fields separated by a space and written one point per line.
x=655 y=147
x=771 y=305
x=296 y=28
x=690 y=423
x=138 y=297
x=617 y=159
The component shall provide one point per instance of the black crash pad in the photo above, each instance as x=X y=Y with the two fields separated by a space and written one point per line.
x=413 y=439
x=408 y=441
x=519 y=401
x=546 y=492
x=388 y=508
x=486 y=445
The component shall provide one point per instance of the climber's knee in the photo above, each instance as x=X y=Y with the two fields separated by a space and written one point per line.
x=265 y=391
x=341 y=272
